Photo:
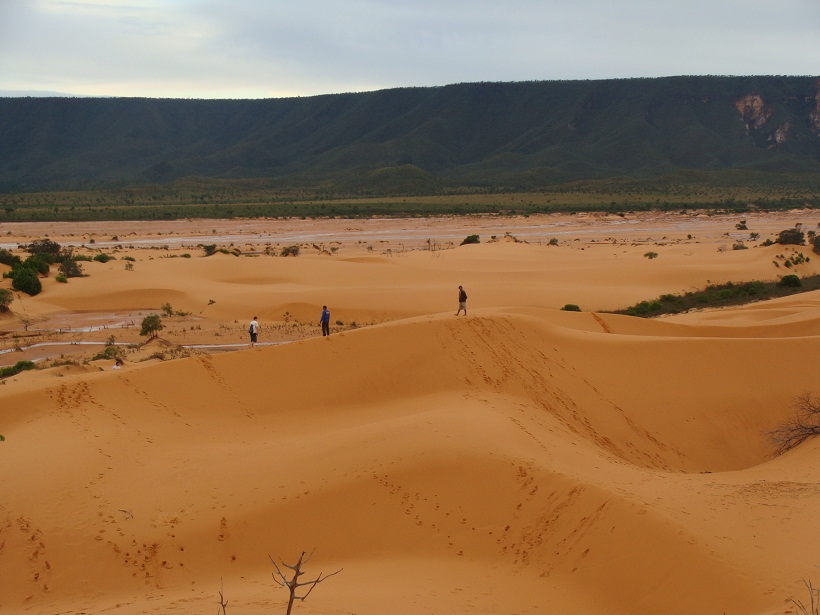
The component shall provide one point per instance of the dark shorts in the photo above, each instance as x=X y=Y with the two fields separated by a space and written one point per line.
x=253 y=337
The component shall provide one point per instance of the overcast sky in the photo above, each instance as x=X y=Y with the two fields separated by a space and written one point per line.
x=279 y=48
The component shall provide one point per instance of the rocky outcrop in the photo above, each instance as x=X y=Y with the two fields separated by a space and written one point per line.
x=754 y=111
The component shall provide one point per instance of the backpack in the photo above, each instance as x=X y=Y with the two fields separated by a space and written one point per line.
x=250 y=329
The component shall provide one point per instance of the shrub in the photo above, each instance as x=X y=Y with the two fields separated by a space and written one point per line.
x=571 y=307
x=103 y=258
x=110 y=352
x=15 y=369
x=651 y=255
x=61 y=279
x=26 y=280
x=7 y=258
x=71 y=269
x=38 y=263
x=210 y=249
x=816 y=244
x=6 y=297
x=740 y=246
x=471 y=239
x=791 y=236
x=790 y=281
x=151 y=325
x=290 y=251
x=553 y=241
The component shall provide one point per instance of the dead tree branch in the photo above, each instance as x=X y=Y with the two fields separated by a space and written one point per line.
x=293 y=584
x=813 y=608
x=222 y=602
x=803 y=425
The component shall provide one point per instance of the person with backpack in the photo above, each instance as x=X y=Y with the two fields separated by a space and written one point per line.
x=253 y=329
x=462 y=301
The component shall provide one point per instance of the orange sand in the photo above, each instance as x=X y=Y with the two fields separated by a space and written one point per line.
x=520 y=460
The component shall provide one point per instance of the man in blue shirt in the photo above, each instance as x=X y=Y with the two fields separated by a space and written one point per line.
x=325 y=320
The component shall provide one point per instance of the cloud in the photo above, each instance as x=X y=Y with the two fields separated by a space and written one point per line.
x=259 y=48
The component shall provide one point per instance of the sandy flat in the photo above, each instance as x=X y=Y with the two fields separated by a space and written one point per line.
x=521 y=459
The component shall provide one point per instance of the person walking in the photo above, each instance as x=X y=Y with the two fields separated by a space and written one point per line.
x=462 y=301
x=325 y=321
x=253 y=329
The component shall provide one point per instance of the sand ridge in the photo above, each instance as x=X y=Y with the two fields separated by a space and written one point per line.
x=522 y=459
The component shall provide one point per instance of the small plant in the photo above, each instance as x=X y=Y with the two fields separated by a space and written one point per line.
x=103 y=258
x=61 y=279
x=571 y=307
x=210 y=249
x=553 y=241
x=71 y=268
x=471 y=239
x=167 y=309
x=740 y=246
x=290 y=251
x=651 y=255
x=129 y=266
x=6 y=297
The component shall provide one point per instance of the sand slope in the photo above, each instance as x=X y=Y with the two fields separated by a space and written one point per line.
x=522 y=459
x=507 y=462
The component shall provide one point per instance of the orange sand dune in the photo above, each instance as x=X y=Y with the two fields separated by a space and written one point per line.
x=521 y=459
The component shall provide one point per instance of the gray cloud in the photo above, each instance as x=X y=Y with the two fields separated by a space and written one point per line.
x=262 y=48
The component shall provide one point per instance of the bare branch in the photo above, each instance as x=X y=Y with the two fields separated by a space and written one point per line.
x=803 y=425
x=814 y=596
x=222 y=602
x=293 y=583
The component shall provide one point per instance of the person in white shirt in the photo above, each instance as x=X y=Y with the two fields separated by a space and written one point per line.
x=253 y=329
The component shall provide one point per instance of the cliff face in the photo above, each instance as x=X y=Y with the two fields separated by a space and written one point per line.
x=516 y=135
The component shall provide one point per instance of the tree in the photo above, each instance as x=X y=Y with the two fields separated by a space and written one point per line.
x=791 y=236
x=151 y=325
x=6 y=297
x=293 y=584
x=803 y=425
x=44 y=246
x=26 y=280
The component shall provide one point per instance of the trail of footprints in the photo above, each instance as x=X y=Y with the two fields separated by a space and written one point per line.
x=515 y=540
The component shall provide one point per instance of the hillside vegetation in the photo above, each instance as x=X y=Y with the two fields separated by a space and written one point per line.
x=613 y=136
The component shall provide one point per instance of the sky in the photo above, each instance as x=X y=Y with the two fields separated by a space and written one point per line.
x=284 y=48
